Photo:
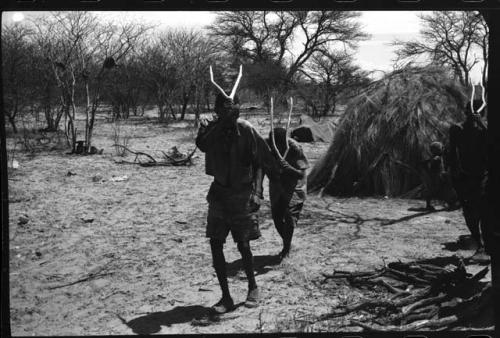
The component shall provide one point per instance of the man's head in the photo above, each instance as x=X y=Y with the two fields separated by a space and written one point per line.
x=280 y=139
x=436 y=148
x=226 y=107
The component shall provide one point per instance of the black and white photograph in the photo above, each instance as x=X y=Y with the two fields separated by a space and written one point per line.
x=195 y=172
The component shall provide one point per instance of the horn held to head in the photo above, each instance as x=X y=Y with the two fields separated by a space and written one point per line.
x=472 y=95
x=273 y=140
x=236 y=84
x=483 y=94
x=235 y=87
x=216 y=85
x=288 y=126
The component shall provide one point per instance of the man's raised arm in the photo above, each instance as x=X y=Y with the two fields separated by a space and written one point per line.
x=206 y=135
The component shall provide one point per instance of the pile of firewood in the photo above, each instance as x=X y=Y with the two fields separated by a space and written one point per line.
x=418 y=295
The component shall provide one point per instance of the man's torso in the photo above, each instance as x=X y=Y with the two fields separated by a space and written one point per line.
x=231 y=160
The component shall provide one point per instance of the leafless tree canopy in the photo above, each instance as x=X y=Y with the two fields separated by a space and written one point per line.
x=70 y=66
x=281 y=43
x=15 y=70
x=79 y=50
x=449 y=39
x=175 y=67
x=331 y=73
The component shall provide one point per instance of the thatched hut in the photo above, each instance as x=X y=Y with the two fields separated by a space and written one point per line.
x=385 y=132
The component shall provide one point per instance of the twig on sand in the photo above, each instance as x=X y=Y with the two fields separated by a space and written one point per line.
x=114 y=293
x=100 y=272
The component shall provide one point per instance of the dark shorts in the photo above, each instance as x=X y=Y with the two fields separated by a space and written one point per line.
x=232 y=211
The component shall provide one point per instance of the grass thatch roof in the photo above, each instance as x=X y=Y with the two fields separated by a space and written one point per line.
x=385 y=132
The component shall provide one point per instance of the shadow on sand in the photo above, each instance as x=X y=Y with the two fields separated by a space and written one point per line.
x=197 y=315
x=152 y=323
x=261 y=265
x=464 y=242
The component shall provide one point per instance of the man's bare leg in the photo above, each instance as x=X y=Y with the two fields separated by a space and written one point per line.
x=428 y=204
x=226 y=303
x=278 y=211
x=288 y=228
x=247 y=259
x=279 y=223
x=472 y=220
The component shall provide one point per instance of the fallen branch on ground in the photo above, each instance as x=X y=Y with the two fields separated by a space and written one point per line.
x=418 y=325
x=100 y=272
x=182 y=160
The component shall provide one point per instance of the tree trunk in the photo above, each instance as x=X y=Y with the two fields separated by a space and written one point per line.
x=184 y=107
x=48 y=118
x=58 y=119
x=72 y=116
x=12 y=122
x=87 y=119
x=172 y=112
x=161 y=113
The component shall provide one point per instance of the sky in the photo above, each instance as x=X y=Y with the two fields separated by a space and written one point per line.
x=375 y=54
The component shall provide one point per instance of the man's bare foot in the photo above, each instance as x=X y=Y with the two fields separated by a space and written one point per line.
x=253 y=298
x=223 y=306
x=284 y=254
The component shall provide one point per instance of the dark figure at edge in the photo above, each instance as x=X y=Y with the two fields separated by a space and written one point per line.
x=468 y=168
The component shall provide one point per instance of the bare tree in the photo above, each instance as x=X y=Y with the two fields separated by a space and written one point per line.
x=58 y=38
x=159 y=75
x=329 y=73
x=175 y=65
x=16 y=75
x=191 y=53
x=124 y=88
x=79 y=50
x=267 y=38
x=449 y=39
x=110 y=44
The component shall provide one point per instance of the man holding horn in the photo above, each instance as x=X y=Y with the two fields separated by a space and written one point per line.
x=287 y=192
x=237 y=157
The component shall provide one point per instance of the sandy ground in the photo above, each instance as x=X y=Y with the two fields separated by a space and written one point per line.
x=136 y=256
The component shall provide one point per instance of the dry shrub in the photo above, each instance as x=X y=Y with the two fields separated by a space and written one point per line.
x=120 y=141
x=35 y=141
